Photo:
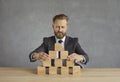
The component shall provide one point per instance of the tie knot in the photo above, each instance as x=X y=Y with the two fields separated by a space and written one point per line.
x=60 y=41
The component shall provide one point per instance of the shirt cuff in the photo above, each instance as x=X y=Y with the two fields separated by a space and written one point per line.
x=84 y=60
x=32 y=57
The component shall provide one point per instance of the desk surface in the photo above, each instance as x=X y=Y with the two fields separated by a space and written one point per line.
x=8 y=74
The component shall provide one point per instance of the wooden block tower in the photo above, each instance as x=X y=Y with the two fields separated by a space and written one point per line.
x=58 y=65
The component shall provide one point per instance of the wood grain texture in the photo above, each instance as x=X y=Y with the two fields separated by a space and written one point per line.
x=10 y=74
x=52 y=54
x=58 y=47
x=63 y=54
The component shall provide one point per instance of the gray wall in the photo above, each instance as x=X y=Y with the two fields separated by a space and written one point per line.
x=24 y=23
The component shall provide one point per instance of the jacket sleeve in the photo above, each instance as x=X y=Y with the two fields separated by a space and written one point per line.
x=41 y=48
x=80 y=51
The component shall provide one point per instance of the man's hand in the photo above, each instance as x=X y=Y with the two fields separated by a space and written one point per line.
x=41 y=56
x=76 y=57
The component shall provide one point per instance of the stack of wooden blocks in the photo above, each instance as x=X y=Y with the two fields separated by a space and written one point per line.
x=61 y=65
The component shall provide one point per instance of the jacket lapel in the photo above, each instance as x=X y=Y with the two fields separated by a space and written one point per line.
x=53 y=43
x=66 y=43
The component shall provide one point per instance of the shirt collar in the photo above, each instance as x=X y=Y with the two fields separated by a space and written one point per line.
x=63 y=39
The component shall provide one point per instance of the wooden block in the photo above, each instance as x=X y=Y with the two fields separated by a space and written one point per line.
x=46 y=63
x=52 y=70
x=58 y=62
x=63 y=54
x=74 y=70
x=41 y=70
x=52 y=54
x=58 y=47
x=70 y=63
x=64 y=71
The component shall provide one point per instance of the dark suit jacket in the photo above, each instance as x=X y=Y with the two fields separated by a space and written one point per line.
x=71 y=45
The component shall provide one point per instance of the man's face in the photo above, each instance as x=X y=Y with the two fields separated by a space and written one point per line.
x=60 y=28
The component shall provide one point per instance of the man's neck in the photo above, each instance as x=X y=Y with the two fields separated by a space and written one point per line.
x=63 y=39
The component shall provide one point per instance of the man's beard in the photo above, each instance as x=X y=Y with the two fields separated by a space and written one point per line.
x=59 y=35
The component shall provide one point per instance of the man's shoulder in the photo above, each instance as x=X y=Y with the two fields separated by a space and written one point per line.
x=47 y=39
x=50 y=37
x=72 y=38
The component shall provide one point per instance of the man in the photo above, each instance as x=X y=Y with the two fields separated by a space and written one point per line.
x=60 y=27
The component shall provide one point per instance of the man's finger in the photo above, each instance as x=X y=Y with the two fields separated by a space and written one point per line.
x=46 y=57
x=70 y=58
x=43 y=56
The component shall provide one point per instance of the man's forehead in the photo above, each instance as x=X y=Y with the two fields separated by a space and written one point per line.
x=60 y=21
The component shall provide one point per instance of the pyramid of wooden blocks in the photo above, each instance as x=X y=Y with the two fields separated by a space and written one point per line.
x=58 y=64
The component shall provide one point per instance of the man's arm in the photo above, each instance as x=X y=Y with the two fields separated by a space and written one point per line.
x=34 y=55
x=79 y=55
x=81 y=52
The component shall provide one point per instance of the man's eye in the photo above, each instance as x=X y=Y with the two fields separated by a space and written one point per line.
x=57 y=26
x=62 y=26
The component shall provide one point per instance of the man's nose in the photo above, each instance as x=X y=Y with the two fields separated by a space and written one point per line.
x=60 y=29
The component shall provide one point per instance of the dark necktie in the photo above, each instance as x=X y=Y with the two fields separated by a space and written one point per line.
x=60 y=41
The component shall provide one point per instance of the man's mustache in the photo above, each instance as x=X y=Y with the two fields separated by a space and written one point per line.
x=60 y=32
